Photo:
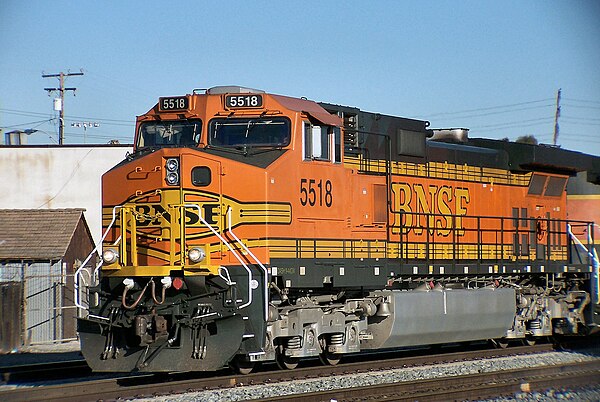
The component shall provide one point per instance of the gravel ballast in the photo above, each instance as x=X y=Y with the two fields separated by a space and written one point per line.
x=244 y=393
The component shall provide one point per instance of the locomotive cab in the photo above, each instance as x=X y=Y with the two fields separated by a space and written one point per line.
x=176 y=280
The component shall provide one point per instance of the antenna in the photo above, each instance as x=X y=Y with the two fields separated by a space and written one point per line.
x=557 y=115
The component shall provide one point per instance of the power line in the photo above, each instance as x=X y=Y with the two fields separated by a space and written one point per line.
x=501 y=111
x=513 y=123
x=106 y=121
x=118 y=84
x=494 y=107
x=582 y=100
x=102 y=119
x=508 y=127
x=593 y=136
x=582 y=106
x=35 y=114
x=28 y=124
x=580 y=118
x=583 y=123
x=23 y=113
x=99 y=136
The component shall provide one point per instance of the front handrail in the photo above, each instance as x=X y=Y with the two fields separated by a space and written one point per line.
x=79 y=280
x=81 y=269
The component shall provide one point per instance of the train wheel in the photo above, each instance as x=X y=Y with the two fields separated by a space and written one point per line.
x=241 y=365
x=285 y=362
x=330 y=359
x=529 y=341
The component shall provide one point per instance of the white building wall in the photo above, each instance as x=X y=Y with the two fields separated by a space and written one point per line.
x=57 y=177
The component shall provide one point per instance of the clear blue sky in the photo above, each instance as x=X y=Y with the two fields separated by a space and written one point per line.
x=491 y=66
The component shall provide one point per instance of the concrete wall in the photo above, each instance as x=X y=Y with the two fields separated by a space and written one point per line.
x=57 y=177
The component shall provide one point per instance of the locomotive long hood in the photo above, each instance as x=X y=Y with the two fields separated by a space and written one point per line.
x=544 y=158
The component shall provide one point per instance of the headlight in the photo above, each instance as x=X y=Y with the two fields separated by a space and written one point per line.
x=172 y=176
x=172 y=179
x=196 y=254
x=110 y=256
x=172 y=165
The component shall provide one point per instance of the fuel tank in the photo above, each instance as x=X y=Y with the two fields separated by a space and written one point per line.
x=410 y=318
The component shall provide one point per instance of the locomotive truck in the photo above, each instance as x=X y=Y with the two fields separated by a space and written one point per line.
x=248 y=227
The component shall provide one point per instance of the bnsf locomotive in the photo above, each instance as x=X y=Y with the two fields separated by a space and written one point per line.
x=249 y=227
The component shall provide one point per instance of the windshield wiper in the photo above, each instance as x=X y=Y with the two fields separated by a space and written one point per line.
x=250 y=150
x=231 y=150
x=250 y=126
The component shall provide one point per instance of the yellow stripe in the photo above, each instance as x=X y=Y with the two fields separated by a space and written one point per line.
x=282 y=248
x=441 y=170
x=584 y=197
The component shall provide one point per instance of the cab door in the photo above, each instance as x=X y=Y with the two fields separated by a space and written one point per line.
x=202 y=187
x=322 y=181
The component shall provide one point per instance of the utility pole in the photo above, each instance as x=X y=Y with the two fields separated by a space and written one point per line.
x=60 y=105
x=556 y=116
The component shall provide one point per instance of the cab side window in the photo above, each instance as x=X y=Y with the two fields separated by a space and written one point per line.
x=322 y=143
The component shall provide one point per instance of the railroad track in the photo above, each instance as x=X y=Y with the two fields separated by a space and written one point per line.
x=465 y=387
x=47 y=370
x=153 y=385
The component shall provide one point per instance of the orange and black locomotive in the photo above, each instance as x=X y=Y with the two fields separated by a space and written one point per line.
x=249 y=227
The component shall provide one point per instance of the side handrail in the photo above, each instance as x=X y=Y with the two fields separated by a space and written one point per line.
x=89 y=257
x=260 y=264
x=595 y=278
x=593 y=256
x=596 y=266
x=580 y=244
x=235 y=254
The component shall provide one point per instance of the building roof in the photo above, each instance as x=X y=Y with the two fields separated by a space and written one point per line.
x=37 y=234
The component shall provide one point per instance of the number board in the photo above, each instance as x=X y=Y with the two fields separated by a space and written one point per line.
x=243 y=101
x=175 y=103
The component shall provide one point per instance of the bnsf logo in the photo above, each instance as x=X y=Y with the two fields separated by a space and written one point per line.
x=157 y=215
x=430 y=207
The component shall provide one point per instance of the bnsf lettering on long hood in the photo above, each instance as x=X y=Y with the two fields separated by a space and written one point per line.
x=429 y=206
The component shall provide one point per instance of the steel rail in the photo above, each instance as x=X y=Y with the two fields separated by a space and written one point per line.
x=52 y=370
x=464 y=387
x=151 y=385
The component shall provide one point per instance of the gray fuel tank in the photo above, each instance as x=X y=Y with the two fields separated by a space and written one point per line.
x=440 y=316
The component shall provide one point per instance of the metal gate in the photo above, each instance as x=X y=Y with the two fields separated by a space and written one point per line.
x=45 y=309
x=11 y=297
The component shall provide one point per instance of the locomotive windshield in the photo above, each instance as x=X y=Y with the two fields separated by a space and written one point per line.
x=169 y=133
x=253 y=132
